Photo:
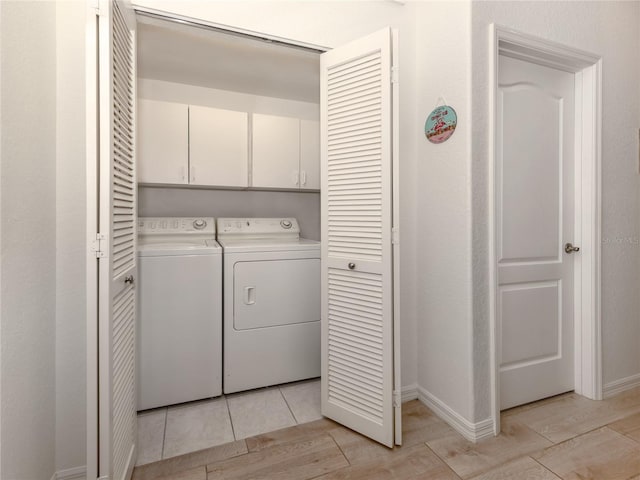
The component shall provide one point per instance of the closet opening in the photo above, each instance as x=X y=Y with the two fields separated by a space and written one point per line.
x=228 y=135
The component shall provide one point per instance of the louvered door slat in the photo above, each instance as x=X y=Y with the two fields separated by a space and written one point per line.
x=117 y=429
x=356 y=217
x=123 y=246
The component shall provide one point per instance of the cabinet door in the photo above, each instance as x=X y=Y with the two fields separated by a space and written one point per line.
x=310 y=154
x=276 y=151
x=163 y=142
x=218 y=147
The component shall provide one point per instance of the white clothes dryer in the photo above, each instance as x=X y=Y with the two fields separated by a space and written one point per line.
x=179 y=311
x=271 y=303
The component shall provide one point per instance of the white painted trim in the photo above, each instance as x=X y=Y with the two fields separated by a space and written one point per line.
x=409 y=392
x=587 y=321
x=469 y=430
x=91 y=78
x=147 y=15
x=131 y=461
x=494 y=380
x=622 y=385
x=395 y=227
x=70 y=473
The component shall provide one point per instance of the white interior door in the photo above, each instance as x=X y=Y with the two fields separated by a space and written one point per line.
x=356 y=105
x=535 y=219
x=117 y=229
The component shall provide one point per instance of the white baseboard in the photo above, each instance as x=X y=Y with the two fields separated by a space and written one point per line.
x=619 y=386
x=469 y=430
x=409 y=392
x=70 y=474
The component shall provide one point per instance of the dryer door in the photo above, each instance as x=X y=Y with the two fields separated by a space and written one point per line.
x=276 y=292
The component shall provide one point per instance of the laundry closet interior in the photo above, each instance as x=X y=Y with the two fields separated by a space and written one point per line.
x=228 y=133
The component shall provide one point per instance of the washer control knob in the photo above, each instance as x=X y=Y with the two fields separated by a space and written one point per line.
x=286 y=224
x=199 y=224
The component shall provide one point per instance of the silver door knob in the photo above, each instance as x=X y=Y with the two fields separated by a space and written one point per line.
x=352 y=266
x=569 y=248
x=128 y=280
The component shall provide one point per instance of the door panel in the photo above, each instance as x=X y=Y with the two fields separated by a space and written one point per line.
x=218 y=147
x=276 y=151
x=276 y=292
x=532 y=311
x=535 y=218
x=357 y=266
x=117 y=223
x=163 y=142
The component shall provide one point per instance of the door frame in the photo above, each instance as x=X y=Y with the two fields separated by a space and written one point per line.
x=92 y=248
x=588 y=212
x=93 y=245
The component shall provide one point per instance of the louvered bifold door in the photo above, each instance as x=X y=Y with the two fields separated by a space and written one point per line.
x=357 y=288
x=117 y=239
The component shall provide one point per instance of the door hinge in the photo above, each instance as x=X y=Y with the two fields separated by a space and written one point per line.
x=397 y=399
x=100 y=245
x=395 y=236
x=95 y=4
x=395 y=74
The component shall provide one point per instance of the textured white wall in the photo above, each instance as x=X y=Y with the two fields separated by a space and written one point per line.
x=28 y=258
x=331 y=24
x=609 y=29
x=443 y=208
x=70 y=237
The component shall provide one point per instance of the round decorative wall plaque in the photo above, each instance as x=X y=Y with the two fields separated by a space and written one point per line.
x=440 y=124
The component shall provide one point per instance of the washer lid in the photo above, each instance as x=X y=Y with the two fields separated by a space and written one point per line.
x=269 y=245
x=160 y=249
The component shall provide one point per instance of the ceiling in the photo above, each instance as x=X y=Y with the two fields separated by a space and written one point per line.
x=192 y=55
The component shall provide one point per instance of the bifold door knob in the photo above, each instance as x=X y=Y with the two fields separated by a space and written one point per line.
x=352 y=266
x=569 y=248
x=128 y=280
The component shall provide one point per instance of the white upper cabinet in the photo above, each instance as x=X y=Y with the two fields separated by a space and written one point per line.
x=309 y=154
x=276 y=151
x=163 y=142
x=182 y=144
x=218 y=147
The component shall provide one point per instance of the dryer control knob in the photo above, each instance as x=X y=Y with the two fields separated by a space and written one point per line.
x=199 y=224
x=286 y=223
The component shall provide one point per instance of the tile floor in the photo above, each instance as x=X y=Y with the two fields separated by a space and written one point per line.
x=566 y=437
x=168 y=432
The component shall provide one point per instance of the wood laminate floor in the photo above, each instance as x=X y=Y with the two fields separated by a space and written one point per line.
x=566 y=437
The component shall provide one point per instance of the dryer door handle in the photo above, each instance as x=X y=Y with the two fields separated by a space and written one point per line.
x=249 y=295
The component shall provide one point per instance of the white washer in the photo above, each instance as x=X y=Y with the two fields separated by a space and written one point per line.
x=271 y=303
x=179 y=311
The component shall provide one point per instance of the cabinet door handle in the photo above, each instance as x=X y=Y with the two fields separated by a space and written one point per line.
x=303 y=176
x=183 y=173
x=193 y=174
x=249 y=295
x=295 y=176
